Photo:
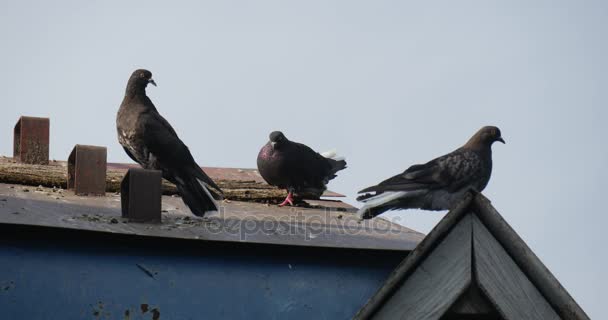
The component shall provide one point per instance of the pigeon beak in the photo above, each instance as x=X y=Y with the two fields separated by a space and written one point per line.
x=151 y=81
x=501 y=140
x=272 y=144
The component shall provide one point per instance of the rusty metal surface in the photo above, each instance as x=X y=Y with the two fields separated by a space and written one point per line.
x=87 y=166
x=31 y=140
x=230 y=174
x=140 y=195
x=236 y=221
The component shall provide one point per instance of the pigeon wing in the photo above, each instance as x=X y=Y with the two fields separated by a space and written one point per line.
x=450 y=171
x=130 y=154
x=162 y=141
x=312 y=167
x=309 y=154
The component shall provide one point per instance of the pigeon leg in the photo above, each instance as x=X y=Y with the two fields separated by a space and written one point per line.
x=289 y=200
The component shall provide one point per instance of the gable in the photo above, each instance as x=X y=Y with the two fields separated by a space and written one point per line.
x=472 y=304
x=468 y=256
x=472 y=266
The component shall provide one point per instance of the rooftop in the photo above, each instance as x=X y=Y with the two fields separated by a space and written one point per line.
x=34 y=195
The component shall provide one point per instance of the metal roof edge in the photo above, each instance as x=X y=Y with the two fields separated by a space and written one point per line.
x=65 y=233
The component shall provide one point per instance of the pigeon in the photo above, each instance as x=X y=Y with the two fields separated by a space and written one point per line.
x=149 y=140
x=438 y=184
x=296 y=167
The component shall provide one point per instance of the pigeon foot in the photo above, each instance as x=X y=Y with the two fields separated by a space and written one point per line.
x=288 y=200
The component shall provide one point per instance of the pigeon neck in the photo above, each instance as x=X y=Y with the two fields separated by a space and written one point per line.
x=134 y=91
x=476 y=144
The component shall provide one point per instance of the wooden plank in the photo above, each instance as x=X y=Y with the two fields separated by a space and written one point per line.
x=55 y=175
x=503 y=282
x=542 y=279
x=472 y=302
x=438 y=280
x=528 y=262
x=411 y=262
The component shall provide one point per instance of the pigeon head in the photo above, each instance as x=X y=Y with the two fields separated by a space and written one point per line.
x=277 y=139
x=485 y=137
x=139 y=81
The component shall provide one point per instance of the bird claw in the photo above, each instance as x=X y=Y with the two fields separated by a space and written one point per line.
x=284 y=203
x=288 y=200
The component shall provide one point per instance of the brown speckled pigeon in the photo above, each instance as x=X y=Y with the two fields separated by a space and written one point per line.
x=296 y=167
x=438 y=184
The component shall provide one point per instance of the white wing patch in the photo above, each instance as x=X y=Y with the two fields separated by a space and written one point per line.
x=380 y=199
x=204 y=185
x=332 y=154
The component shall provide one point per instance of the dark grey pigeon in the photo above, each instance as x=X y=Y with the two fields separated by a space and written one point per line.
x=438 y=184
x=296 y=167
x=151 y=141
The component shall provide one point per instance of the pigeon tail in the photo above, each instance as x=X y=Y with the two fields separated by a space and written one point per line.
x=336 y=165
x=196 y=195
x=212 y=187
x=380 y=203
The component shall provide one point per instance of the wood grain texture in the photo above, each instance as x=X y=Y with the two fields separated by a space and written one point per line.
x=529 y=272
x=409 y=264
x=529 y=263
x=437 y=282
x=503 y=282
x=55 y=175
x=472 y=302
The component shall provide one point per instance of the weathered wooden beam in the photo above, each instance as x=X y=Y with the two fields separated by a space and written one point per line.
x=409 y=265
x=504 y=283
x=439 y=280
x=55 y=175
x=527 y=261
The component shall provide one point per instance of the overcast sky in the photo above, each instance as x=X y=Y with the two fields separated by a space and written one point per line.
x=387 y=83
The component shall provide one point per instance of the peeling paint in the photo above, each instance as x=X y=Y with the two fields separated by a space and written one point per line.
x=155 y=314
